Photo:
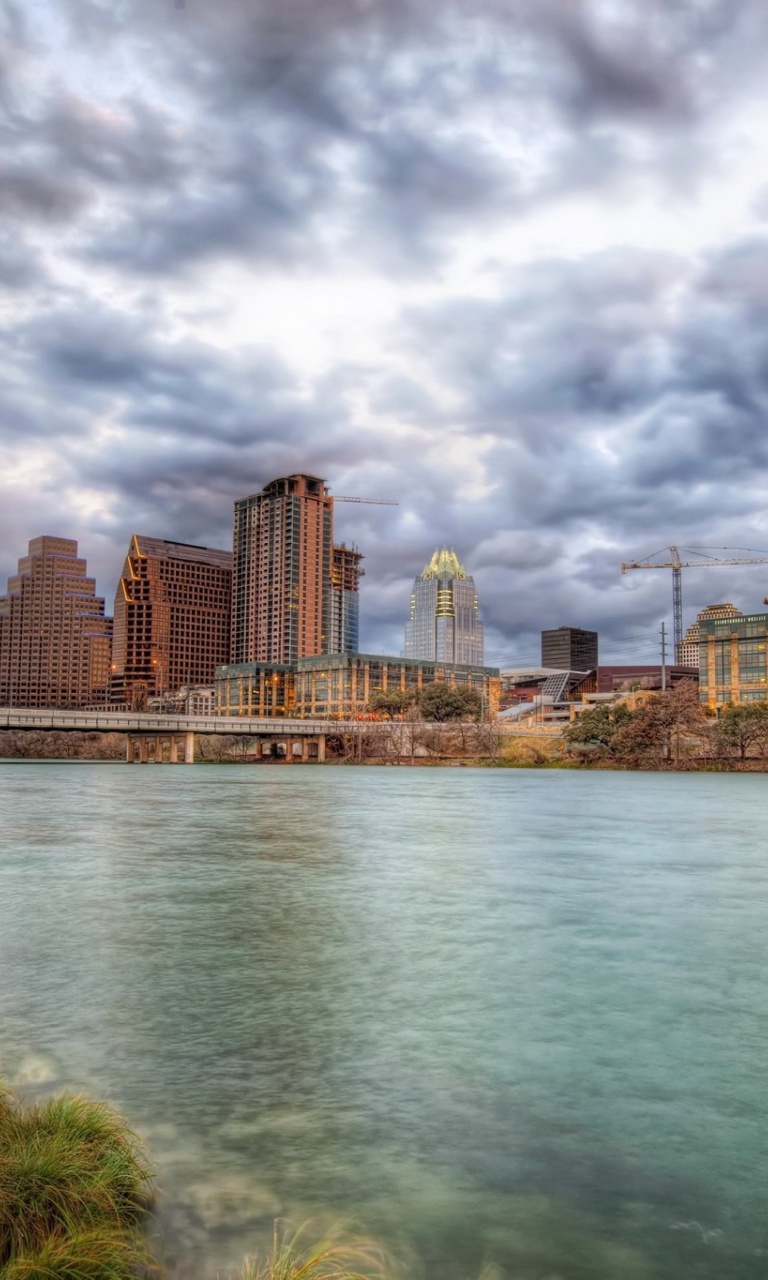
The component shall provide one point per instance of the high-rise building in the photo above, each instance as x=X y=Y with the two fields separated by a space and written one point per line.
x=283 y=556
x=172 y=618
x=569 y=649
x=344 y=610
x=689 y=646
x=54 y=638
x=444 y=623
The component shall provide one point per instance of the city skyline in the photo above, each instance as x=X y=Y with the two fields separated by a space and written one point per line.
x=504 y=267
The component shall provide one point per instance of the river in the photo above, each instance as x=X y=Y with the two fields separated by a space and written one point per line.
x=509 y=1017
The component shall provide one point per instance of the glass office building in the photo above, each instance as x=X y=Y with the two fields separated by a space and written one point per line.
x=444 y=623
x=733 y=659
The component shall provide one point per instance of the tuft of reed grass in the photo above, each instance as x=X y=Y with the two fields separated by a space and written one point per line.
x=332 y=1257
x=74 y=1185
x=98 y=1253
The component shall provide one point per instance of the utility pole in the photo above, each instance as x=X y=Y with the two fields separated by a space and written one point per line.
x=663 y=657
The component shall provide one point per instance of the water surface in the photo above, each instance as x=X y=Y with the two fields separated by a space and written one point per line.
x=496 y=1016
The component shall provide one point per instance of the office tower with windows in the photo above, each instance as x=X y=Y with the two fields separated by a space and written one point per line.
x=444 y=623
x=172 y=618
x=54 y=638
x=569 y=649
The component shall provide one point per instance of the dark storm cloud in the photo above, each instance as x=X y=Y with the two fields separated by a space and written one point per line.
x=618 y=403
x=260 y=203
x=27 y=194
x=307 y=127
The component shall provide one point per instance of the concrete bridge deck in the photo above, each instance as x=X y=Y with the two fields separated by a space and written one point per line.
x=150 y=737
x=48 y=719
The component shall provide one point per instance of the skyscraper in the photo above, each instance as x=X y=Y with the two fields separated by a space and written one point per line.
x=444 y=623
x=172 y=618
x=283 y=551
x=54 y=638
x=569 y=649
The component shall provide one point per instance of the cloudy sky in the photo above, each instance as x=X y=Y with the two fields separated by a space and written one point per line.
x=505 y=263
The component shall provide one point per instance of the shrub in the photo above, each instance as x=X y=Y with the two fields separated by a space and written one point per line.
x=74 y=1185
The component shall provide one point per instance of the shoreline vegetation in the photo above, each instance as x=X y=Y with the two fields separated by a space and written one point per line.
x=76 y=1193
x=640 y=730
x=646 y=731
x=75 y=1188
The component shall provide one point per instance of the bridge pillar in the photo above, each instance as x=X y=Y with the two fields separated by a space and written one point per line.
x=321 y=748
x=173 y=750
x=129 y=750
x=189 y=748
x=143 y=751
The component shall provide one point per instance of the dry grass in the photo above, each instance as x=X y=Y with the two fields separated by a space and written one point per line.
x=333 y=1257
x=73 y=1188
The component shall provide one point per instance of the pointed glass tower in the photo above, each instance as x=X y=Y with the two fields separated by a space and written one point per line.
x=444 y=624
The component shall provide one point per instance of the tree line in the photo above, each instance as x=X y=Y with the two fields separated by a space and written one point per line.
x=436 y=703
x=670 y=730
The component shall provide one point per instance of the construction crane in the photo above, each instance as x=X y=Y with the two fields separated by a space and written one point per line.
x=676 y=565
x=377 y=502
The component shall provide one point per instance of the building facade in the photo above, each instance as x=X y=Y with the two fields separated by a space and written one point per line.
x=689 y=646
x=569 y=648
x=444 y=623
x=340 y=686
x=733 y=659
x=283 y=549
x=294 y=593
x=172 y=619
x=344 y=600
x=55 y=642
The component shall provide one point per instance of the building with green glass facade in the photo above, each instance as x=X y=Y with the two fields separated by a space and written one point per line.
x=339 y=686
x=732 y=659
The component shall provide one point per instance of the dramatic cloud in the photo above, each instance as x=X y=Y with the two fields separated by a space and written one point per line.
x=505 y=264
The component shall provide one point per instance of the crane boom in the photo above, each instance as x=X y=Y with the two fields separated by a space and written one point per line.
x=676 y=564
x=377 y=502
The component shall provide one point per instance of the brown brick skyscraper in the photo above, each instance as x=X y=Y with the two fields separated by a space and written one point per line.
x=283 y=548
x=172 y=611
x=54 y=638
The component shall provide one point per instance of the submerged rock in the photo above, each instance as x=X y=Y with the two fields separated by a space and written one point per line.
x=232 y=1201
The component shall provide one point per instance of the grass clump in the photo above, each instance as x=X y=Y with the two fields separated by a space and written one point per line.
x=333 y=1257
x=74 y=1186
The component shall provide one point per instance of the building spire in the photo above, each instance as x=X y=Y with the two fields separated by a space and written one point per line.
x=443 y=564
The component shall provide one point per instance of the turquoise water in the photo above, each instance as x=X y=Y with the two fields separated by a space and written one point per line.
x=508 y=1017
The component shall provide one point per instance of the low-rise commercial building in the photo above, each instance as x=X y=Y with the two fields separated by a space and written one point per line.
x=340 y=686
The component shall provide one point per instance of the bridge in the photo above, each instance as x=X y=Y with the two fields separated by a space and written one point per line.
x=149 y=735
